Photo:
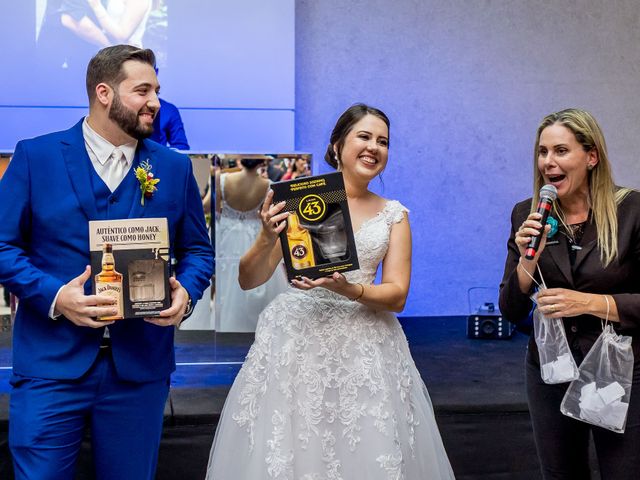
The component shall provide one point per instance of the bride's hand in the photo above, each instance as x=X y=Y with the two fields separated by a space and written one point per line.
x=272 y=220
x=336 y=283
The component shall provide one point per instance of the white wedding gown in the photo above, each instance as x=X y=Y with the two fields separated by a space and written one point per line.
x=329 y=390
x=237 y=310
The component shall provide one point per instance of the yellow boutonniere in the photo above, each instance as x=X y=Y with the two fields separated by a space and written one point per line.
x=147 y=182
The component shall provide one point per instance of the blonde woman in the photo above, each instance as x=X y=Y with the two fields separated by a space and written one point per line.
x=591 y=267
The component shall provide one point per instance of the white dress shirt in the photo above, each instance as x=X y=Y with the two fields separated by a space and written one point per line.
x=101 y=153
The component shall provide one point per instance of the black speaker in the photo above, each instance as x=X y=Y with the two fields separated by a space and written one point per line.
x=487 y=323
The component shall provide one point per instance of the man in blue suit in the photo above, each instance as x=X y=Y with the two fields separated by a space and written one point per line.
x=168 y=128
x=70 y=370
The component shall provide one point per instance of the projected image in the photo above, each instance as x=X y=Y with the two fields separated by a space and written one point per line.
x=235 y=88
x=241 y=183
x=69 y=32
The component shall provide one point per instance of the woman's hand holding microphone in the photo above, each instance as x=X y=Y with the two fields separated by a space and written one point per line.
x=530 y=228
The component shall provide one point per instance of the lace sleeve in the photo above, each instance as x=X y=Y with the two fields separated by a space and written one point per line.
x=395 y=211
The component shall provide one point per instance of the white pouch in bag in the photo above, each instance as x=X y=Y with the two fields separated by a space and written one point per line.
x=600 y=396
x=556 y=362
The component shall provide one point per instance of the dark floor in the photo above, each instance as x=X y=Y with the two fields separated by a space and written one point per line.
x=477 y=388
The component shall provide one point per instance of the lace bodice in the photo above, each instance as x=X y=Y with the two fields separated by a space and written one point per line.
x=372 y=243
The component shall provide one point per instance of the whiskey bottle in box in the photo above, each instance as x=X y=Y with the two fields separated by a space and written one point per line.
x=109 y=282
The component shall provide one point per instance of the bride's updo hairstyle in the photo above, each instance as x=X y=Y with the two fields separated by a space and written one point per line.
x=344 y=125
x=251 y=163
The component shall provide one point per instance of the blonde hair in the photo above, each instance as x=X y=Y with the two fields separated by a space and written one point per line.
x=604 y=196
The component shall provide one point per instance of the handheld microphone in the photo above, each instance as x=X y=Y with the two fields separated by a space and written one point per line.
x=548 y=194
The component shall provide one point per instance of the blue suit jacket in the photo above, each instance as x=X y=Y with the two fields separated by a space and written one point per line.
x=168 y=128
x=46 y=200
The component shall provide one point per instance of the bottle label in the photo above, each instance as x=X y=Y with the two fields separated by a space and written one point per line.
x=299 y=252
x=301 y=257
x=112 y=290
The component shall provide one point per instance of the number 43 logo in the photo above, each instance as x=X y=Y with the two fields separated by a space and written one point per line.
x=312 y=208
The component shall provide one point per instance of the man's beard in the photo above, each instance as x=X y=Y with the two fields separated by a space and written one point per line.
x=128 y=120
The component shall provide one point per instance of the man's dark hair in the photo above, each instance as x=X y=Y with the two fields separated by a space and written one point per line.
x=106 y=66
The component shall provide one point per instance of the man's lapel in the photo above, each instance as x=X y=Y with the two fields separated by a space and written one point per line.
x=79 y=169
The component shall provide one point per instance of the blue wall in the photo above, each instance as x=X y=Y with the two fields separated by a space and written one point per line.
x=465 y=84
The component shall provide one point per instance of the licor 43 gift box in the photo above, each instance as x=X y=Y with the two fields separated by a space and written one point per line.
x=319 y=237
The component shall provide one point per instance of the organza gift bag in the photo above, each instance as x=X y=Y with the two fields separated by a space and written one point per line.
x=556 y=362
x=600 y=396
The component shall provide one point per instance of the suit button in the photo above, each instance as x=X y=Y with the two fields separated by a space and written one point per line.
x=113 y=200
x=574 y=329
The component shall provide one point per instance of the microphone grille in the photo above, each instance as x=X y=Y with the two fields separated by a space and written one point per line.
x=549 y=191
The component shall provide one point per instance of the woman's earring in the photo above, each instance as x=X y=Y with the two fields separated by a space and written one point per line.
x=590 y=166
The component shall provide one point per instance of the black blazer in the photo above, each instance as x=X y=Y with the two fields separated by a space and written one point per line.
x=620 y=279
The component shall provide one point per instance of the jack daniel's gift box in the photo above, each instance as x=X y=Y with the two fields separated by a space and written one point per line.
x=318 y=239
x=130 y=261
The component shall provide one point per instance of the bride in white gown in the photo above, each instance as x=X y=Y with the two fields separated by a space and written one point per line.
x=238 y=199
x=329 y=390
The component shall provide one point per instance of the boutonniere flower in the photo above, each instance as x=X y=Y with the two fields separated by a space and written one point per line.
x=147 y=181
x=554 y=226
